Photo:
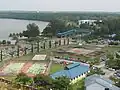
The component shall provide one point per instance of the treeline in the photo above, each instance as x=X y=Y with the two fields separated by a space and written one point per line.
x=56 y=26
x=108 y=28
x=48 y=16
x=32 y=31
x=43 y=82
x=5 y=42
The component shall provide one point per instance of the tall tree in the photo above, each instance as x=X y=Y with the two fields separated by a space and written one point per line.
x=42 y=80
x=4 y=42
x=61 y=83
x=8 y=42
x=23 y=79
x=54 y=27
x=32 y=31
x=10 y=35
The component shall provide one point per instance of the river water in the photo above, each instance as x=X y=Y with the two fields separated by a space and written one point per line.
x=8 y=26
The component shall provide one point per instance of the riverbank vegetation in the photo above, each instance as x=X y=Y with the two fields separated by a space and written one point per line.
x=32 y=31
x=59 y=20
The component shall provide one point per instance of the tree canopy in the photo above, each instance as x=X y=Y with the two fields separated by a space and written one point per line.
x=113 y=62
x=56 y=26
x=23 y=79
x=32 y=31
x=45 y=82
x=61 y=83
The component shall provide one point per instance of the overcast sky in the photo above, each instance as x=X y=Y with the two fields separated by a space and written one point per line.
x=61 y=5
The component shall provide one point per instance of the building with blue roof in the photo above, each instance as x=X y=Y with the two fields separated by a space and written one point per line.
x=71 y=32
x=66 y=33
x=74 y=71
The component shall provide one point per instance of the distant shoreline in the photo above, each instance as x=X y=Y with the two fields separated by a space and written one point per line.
x=9 y=25
x=25 y=19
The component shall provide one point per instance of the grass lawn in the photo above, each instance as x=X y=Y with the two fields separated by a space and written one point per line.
x=55 y=68
x=26 y=57
x=111 y=49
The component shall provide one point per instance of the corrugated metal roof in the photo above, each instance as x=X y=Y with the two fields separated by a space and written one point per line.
x=67 y=32
x=73 y=65
x=72 y=72
x=106 y=83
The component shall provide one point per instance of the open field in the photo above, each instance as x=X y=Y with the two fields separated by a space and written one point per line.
x=55 y=68
x=111 y=49
x=34 y=67
x=25 y=57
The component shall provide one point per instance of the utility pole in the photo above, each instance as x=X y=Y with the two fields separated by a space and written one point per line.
x=68 y=41
x=50 y=44
x=55 y=43
x=18 y=50
x=32 y=48
x=44 y=45
x=25 y=50
x=64 y=41
x=38 y=46
x=1 y=56
x=59 y=42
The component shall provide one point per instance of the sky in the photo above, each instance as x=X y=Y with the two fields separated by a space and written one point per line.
x=61 y=5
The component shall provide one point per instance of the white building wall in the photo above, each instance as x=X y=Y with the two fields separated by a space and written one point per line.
x=86 y=21
x=78 y=78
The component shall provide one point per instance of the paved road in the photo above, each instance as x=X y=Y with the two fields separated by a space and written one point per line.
x=108 y=72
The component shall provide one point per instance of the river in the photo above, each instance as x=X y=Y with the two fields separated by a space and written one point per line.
x=8 y=26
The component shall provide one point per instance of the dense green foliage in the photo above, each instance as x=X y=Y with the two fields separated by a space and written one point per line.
x=54 y=27
x=106 y=28
x=116 y=80
x=61 y=83
x=23 y=79
x=80 y=85
x=110 y=25
x=113 y=62
x=48 y=16
x=32 y=31
x=4 y=42
x=44 y=82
